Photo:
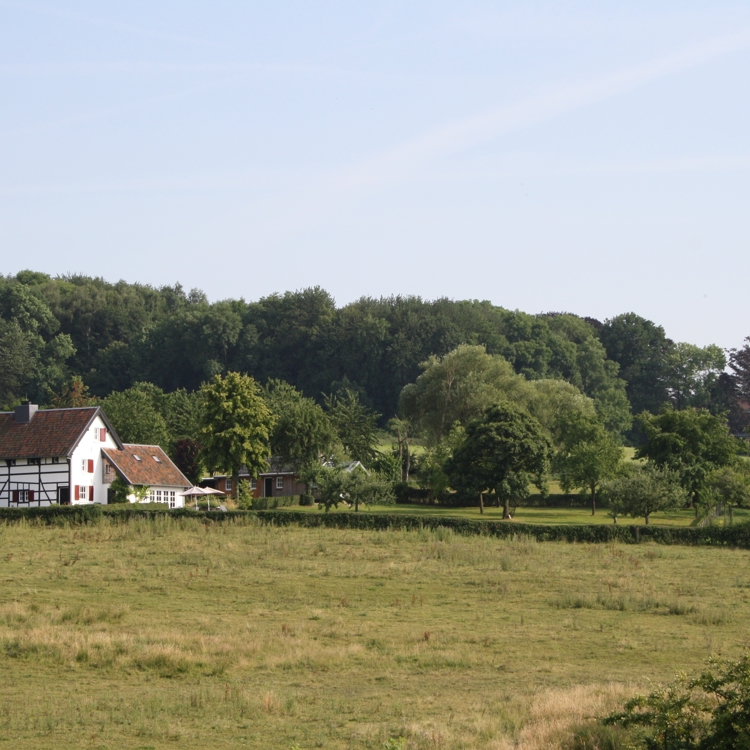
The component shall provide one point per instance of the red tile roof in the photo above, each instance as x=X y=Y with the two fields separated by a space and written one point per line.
x=146 y=470
x=51 y=432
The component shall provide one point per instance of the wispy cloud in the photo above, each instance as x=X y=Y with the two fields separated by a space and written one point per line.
x=406 y=159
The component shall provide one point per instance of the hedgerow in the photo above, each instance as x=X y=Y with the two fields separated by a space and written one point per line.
x=714 y=536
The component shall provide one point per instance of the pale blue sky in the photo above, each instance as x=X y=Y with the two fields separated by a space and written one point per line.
x=588 y=157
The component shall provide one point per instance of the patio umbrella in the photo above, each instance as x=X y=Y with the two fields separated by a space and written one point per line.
x=195 y=492
x=211 y=491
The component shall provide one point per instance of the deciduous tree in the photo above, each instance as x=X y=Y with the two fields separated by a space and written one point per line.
x=237 y=426
x=691 y=442
x=587 y=456
x=503 y=451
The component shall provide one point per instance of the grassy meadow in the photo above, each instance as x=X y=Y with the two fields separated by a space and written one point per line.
x=541 y=515
x=157 y=633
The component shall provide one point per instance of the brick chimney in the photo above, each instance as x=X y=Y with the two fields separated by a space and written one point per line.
x=25 y=413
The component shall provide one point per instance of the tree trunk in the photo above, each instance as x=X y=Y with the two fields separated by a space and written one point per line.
x=481 y=502
x=235 y=484
x=506 y=508
x=593 y=499
x=646 y=518
x=407 y=468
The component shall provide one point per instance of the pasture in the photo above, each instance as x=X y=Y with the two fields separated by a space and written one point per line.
x=155 y=633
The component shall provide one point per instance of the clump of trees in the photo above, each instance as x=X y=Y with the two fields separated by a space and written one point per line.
x=333 y=378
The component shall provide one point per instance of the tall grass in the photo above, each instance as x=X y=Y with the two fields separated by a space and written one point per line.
x=164 y=631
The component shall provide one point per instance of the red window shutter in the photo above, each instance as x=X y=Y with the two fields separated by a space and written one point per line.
x=15 y=496
x=31 y=496
x=78 y=492
x=91 y=494
x=103 y=434
x=91 y=466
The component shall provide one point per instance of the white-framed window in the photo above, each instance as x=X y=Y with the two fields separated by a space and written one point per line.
x=170 y=496
x=55 y=459
x=83 y=492
x=279 y=483
x=157 y=499
x=228 y=485
x=253 y=484
x=24 y=496
x=35 y=461
x=83 y=464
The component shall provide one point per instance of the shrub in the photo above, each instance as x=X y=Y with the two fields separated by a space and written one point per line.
x=708 y=712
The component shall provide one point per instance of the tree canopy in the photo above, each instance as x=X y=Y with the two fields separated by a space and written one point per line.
x=502 y=452
x=692 y=442
x=237 y=426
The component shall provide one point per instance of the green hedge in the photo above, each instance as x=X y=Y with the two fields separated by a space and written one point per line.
x=716 y=536
x=268 y=503
x=734 y=536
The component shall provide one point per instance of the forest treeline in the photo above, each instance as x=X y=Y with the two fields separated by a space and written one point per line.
x=113 y=335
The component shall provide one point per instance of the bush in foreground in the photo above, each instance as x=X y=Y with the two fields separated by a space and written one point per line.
x=708 y=712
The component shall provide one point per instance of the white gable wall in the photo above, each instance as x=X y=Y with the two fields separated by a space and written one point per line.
x=87 y=465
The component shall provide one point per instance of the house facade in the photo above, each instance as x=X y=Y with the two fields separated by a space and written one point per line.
x=279 y=480
x=72 y=456
x=146 y=466
x=53 y=456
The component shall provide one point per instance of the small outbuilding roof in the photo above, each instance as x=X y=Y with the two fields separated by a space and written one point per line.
x=146 y=465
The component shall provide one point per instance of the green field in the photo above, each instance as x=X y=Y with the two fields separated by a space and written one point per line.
x=567 y=516
x=180 y=633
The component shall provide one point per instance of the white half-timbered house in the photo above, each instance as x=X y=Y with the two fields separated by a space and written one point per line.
x=72 y=456
x=53 y=456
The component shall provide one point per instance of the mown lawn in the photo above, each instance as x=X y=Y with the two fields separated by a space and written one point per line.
x=568 y=516
x=181 y=633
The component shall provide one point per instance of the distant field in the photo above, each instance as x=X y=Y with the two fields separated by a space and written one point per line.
x=569 y=516
x=176 y=633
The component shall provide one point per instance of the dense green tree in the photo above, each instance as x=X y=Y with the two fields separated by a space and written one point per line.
x=693 y=375
x=588 y=455
x=355 y=425
x=136 y=415
x=640 y=491
x=302 y=432
x=457 y=388
x=17 y=357
x=186 y=453
x=555 y=404
x=739 y=363
x=433 y=463
x=237 y=426
x=642 y=350
x=73 y=394
x=337 y=484
x=692 y=442
x=182 y=412
x=729 y=487
x=401 y=429
x=503 y=451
